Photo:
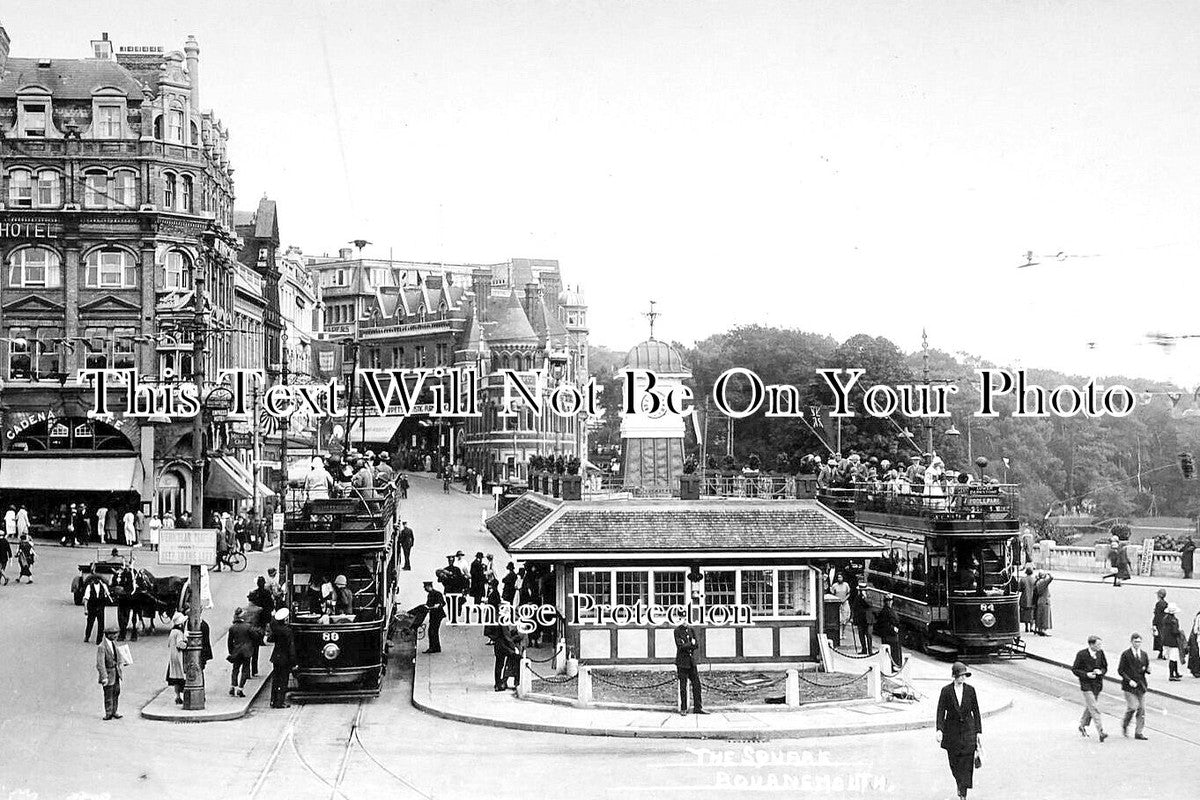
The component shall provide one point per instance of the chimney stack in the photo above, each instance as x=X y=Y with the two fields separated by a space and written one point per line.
x=192 y=49
x=345 y=253
x=481 y=285
x=552 y=284
x=531 y=298
x=4 y=43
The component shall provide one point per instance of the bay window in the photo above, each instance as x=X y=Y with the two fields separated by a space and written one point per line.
x=175 y=126
x=186 y=194
x=177 y=271
x=169 y=192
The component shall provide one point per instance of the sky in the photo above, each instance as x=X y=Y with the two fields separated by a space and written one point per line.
x=839 y=167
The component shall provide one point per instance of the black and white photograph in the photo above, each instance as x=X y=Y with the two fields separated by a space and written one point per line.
x=599 y=399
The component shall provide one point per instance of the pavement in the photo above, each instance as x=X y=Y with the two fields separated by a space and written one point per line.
x=457 y=684
x=219 y=705
x=1081 y=607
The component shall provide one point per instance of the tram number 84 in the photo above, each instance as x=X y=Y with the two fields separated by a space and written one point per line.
x=329 y=637
x=989 y=617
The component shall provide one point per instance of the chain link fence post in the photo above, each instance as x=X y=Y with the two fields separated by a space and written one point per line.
x=874 y=682
x=525 y=679
x=792 y=689
x=583 y=698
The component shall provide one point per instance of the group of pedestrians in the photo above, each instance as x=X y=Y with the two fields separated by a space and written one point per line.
x=25 y=556
x=1035 y=601
x=1176 y=643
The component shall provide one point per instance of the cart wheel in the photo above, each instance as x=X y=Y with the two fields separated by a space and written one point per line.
x=237 y=562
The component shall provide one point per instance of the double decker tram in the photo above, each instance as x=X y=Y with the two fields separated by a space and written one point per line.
x=341 y=632
x=952 y=564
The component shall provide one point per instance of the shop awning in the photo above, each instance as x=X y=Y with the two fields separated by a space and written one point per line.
x=72 y=473
x=380 y=430
x=229 y=480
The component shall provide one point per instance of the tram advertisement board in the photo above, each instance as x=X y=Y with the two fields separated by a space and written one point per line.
x=184 y=547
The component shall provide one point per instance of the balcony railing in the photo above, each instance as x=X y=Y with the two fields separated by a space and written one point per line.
x=972 y=502
x=352 y=521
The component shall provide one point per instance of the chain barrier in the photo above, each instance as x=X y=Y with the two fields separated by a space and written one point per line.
x=855 y=655
x=553 y=679
x=600 y=678
x=533 y=660
x=732 y=692
x=838 y=685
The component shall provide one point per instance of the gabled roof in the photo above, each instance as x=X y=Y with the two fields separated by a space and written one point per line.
x=69 y=78
x=507 y=321
x=644 y=528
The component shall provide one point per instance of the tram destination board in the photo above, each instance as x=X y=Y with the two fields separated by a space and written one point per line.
x=184 y=547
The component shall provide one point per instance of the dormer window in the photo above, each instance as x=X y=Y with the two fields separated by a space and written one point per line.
x=108 y=121
x=34 y=118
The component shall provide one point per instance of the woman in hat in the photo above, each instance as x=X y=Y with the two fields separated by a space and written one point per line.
x=1160 y=608
x=1041 y=599
x=176 y=644
x=959 y=725
x=1172 y=640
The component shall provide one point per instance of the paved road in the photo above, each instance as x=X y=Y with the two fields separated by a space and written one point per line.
x=54 y=744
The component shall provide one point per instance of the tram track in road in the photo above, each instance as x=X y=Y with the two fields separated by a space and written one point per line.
x=1049 y=680
x=305 y=755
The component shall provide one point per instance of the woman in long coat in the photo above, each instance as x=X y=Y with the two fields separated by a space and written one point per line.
x=1160 y=608
x=176 y=644
x=1172 y=640
x=1041 y=594
x=1028 y=603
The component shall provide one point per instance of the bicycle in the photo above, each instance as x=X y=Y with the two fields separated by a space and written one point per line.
x=233 y=559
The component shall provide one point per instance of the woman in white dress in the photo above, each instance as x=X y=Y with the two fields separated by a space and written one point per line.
x=156 y=525
x=841 y=590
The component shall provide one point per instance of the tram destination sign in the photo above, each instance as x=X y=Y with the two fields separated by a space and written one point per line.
x=183 y=547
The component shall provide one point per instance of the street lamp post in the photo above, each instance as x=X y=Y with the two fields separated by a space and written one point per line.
x=193 y=688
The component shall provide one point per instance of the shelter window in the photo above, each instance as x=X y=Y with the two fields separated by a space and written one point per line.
x=795 y=593
x=596 y=584
x=111 y=268
x=758 y=590
x=633 y=587
x=34 y=266
x=20 y=188
x=670 y=588
x=720 y=587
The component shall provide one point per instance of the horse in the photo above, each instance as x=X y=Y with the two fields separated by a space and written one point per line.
x=155 y=597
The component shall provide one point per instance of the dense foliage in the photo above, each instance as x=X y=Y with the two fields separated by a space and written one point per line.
x=1103 y=468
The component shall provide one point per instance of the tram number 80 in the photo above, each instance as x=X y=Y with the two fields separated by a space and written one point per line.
x=330 y=636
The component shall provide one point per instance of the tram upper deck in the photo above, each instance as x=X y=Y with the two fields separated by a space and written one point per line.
x=970 y=509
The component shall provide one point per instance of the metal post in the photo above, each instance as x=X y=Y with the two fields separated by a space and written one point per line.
x=193 y=689
x=283 y=440
x=198 y=420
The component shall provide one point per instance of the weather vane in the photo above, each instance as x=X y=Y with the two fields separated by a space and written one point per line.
x=652 y=315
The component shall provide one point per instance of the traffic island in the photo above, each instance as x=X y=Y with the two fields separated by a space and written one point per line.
x=219 y=706
x=456 y=684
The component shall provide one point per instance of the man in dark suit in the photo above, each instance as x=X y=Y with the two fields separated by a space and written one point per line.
x=478 y=579
x=1090 y=666
x=959 y=725
x=685 y=668
x=887 y=628
x=1133 y=669
x=507 y=645
x=435 y=609
x=406 y=543
x=108 y=665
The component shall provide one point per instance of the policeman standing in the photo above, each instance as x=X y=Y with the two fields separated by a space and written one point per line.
x=435 y=608
x=685 y=668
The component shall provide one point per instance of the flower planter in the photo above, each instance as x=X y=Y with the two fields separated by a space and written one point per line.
x=689 y=487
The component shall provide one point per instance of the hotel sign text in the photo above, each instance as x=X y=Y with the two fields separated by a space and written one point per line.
x=25 y=230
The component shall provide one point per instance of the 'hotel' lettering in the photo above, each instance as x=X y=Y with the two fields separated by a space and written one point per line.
x=24 y=230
